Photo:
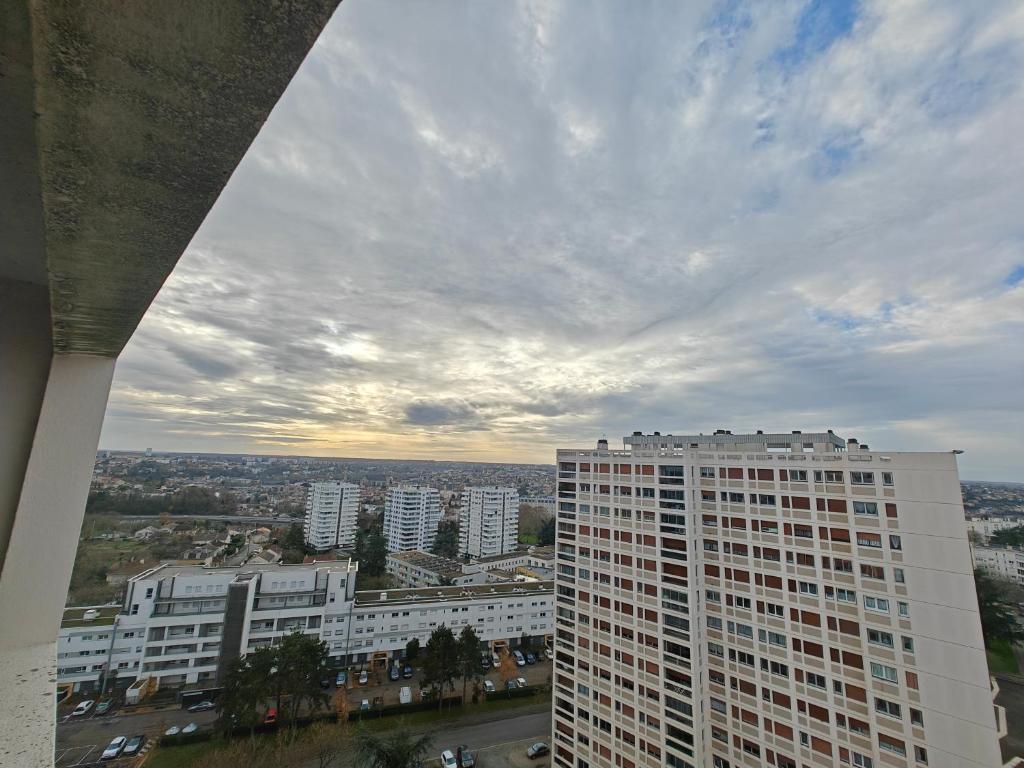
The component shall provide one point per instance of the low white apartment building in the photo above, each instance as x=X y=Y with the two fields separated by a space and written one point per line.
x=183 y=624
x=766 y=599
x=332 y=509
x=984 y=527
x=1005 y=562
x=488 y=521
x=422 y=569
x=411 y=516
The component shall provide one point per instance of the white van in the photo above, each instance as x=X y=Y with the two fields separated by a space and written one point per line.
x=405 y=695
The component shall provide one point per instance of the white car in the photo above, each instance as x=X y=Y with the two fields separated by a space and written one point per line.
x=172 y=731
x=522 y=682
x=83 y=707
x=114 y=748
x=448 y=760
x=488 y=686
x=495 y=660
x=520 y=659
x=190 y=728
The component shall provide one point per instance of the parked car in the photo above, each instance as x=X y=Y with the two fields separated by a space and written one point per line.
x=114 y=748
x=191 y=728
x=83 y=708
x=522 y=682
x=495 y=660
x=271 y=717
x=465 y=757
x=364 y=705
x=520 y=659
x=407 y=671
x=488 y=686
x=341 y=679
x=537 y=750
x=394 y=674
x=405 y=695
x=172 y=731
x=448 y=760
x=531 y=659
x=133 y=746
x=485 y=663
x=511 y=685
x=364 y=677
x=202 y=706
x=104 y=706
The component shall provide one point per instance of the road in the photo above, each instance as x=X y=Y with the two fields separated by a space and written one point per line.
x=535 y=726
x=81 y=741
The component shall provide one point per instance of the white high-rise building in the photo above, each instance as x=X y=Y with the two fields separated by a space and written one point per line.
x=488 y=521
x=331 y=512
x=411 y=515
x=784 y=600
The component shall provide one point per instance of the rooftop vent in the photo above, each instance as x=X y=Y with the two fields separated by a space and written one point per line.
x=797 y=432
x=657 y=434
x=383 y=595
x=602 y=445
x=760 y=431
x=637 y=433
x=864 y=447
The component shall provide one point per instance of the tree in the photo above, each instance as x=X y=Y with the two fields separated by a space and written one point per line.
x=396 y=748
x=1009 y=537
x=446 y=540
x=371 y=552
x=469 y=658
x=546 y=537
x=301 y=665
x=294 y=538
x=507 y=669
x=441 y=661
x=246 y=682
x=412 y=649
x=998 y=619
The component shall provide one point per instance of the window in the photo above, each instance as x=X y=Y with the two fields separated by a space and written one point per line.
x=716 y=649
x=743 y=602
x=798 y=475
x=833 y=477
x=807 y=588
x=862 y=478
x=714 y=622
x=887 y=478
x=895 y=542
x=886 y=707
x=812 y=678
x=921 y=755
x=707 y=472
x=766 y=636
x=869 y=540
x=865 y=508
x=897 y=575
x=908 y=644
x=861 y=761
x=872 y=571
x=883 y=672
x=772 y=609
x=149 y=592
x=916 y=717
x=846 y=595
x=879 y=604
x=904 y=610
x=713 y=596
x=878 y=637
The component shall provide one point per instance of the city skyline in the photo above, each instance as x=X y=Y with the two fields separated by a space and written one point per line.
x=484 y=233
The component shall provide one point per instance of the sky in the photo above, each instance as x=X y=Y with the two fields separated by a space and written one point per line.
x=482 y=231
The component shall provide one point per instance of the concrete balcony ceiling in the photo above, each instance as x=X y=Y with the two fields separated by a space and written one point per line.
x=121 y=125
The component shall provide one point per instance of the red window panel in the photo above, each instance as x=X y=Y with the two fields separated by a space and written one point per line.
x=674 y=570
x=585 y=467
x=783 y=731
x=814 y=649
x=738 y=522
x=781 y=699
x=646 y=470
x=892 y=743
x=818 y=713
x=856 y=693
x=783 y=474
x=735 y=473
x=837 y=505
x=800 y=502
x=912 y=680
x=848 y=627
x=773 y=582
x=821 y=745
x=741 y=575
x=604 y=468
x=711 y=570
x=624 y=469
x=810 y=618
x=840 y=534
x=584 y=530
x=766 y=474
x=853 y=660
x=750 y=718
x=819 y=504
x=669 y=543
x=890 y=510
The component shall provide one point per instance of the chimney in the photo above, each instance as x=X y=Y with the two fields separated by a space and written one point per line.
x=637 y=433
x=760 y=431
x=602 y=445
x=657 y=434
x=851 y=441
x=797 y=432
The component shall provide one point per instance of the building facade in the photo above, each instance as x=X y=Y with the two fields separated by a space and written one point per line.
x=411 y=516
x=422 y=569
x=181 y=625
x=331 y=515
x=1005 y=562
x=488 y=521
x=983 y=528
x=749 y=600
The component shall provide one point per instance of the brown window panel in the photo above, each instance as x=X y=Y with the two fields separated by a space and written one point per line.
x=837 y=505
x=890 y=510
x=766 y=474
x=734 y=473
x=647 y=470
x=912 y=680
x=773 y=582
x=818 y=713
x=810 y=618
x=821 y=745
x=784 y=731
x=604 y=468
x=840 y=534
x=856 y=693
x=800 y=502
x=814 y=649
x=853 y=660
x=848 y=627
x=711 y=570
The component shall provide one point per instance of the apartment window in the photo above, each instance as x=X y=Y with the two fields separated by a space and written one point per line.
x=884 y=672
x=710 y=545
x=878 y=637
x=861 y=761
x=135 y=609
x=713 y=596
x=798 y=475
x=897 y=575
x=743 y=602
x=773 y=609
x=716 y=649
x=886 y=707
x=714 y=622
x=805 y=740
x=895 y=542
x=846 y=595
x=707 y=472
x=887 y=478
x=872 y=571
x=774 y=638
x=879 y=604
x=903 y=609
x=816 y=680
x=865 y=508
x=908 y=644
x=807 y=588
x=833 y=477
x=921 y=755
x=862 y=478
x=916 y=717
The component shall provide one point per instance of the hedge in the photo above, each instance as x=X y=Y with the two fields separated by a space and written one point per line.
x=399 y=709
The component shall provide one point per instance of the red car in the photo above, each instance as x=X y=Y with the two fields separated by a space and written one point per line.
x=271 y=717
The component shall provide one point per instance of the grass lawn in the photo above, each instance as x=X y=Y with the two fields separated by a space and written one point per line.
x=527 y=539
x=1001 y=658
x=428 y=717
x=181 y=757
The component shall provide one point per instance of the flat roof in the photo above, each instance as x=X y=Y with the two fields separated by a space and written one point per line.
x=75 y=617
x=722 y=437
x=247 y=569
x=444 y=594
x=428 y=561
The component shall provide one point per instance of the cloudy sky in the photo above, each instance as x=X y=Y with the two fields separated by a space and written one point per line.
x=484 y=230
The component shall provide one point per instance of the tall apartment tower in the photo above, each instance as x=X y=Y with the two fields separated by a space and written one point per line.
x=488 y=521
x=331 y=511
x=411 y=515
x=762 y=600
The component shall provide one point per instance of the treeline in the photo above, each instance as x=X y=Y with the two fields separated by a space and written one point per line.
x=193 y=500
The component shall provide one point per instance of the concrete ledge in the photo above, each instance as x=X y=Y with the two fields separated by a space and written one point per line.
x=28 y=705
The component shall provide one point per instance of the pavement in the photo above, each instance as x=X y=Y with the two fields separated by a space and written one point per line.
x=80 y=741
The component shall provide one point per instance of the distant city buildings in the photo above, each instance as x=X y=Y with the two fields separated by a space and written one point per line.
x=411 y=516
x=488 y=521
x=766 y=599
x=1004 y=562
x=984 y=527
x=331 y=512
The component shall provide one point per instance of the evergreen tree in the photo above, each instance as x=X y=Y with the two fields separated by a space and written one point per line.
x=469 y=658
x=546 y=536
x=998 y=619
x=441 y=661
x=397 y=748
x=446 y=540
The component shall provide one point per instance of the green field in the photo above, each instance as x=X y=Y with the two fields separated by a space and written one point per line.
x=1001 y=658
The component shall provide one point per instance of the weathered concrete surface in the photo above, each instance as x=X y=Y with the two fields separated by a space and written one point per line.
x=144 y=109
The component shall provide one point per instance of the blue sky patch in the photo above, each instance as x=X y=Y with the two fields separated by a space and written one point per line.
x=819 y=26
x=1015 y=277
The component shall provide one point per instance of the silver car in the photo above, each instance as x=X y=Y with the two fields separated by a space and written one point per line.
x=114 y=748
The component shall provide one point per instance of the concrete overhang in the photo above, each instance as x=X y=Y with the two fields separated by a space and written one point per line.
x=121 y=123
